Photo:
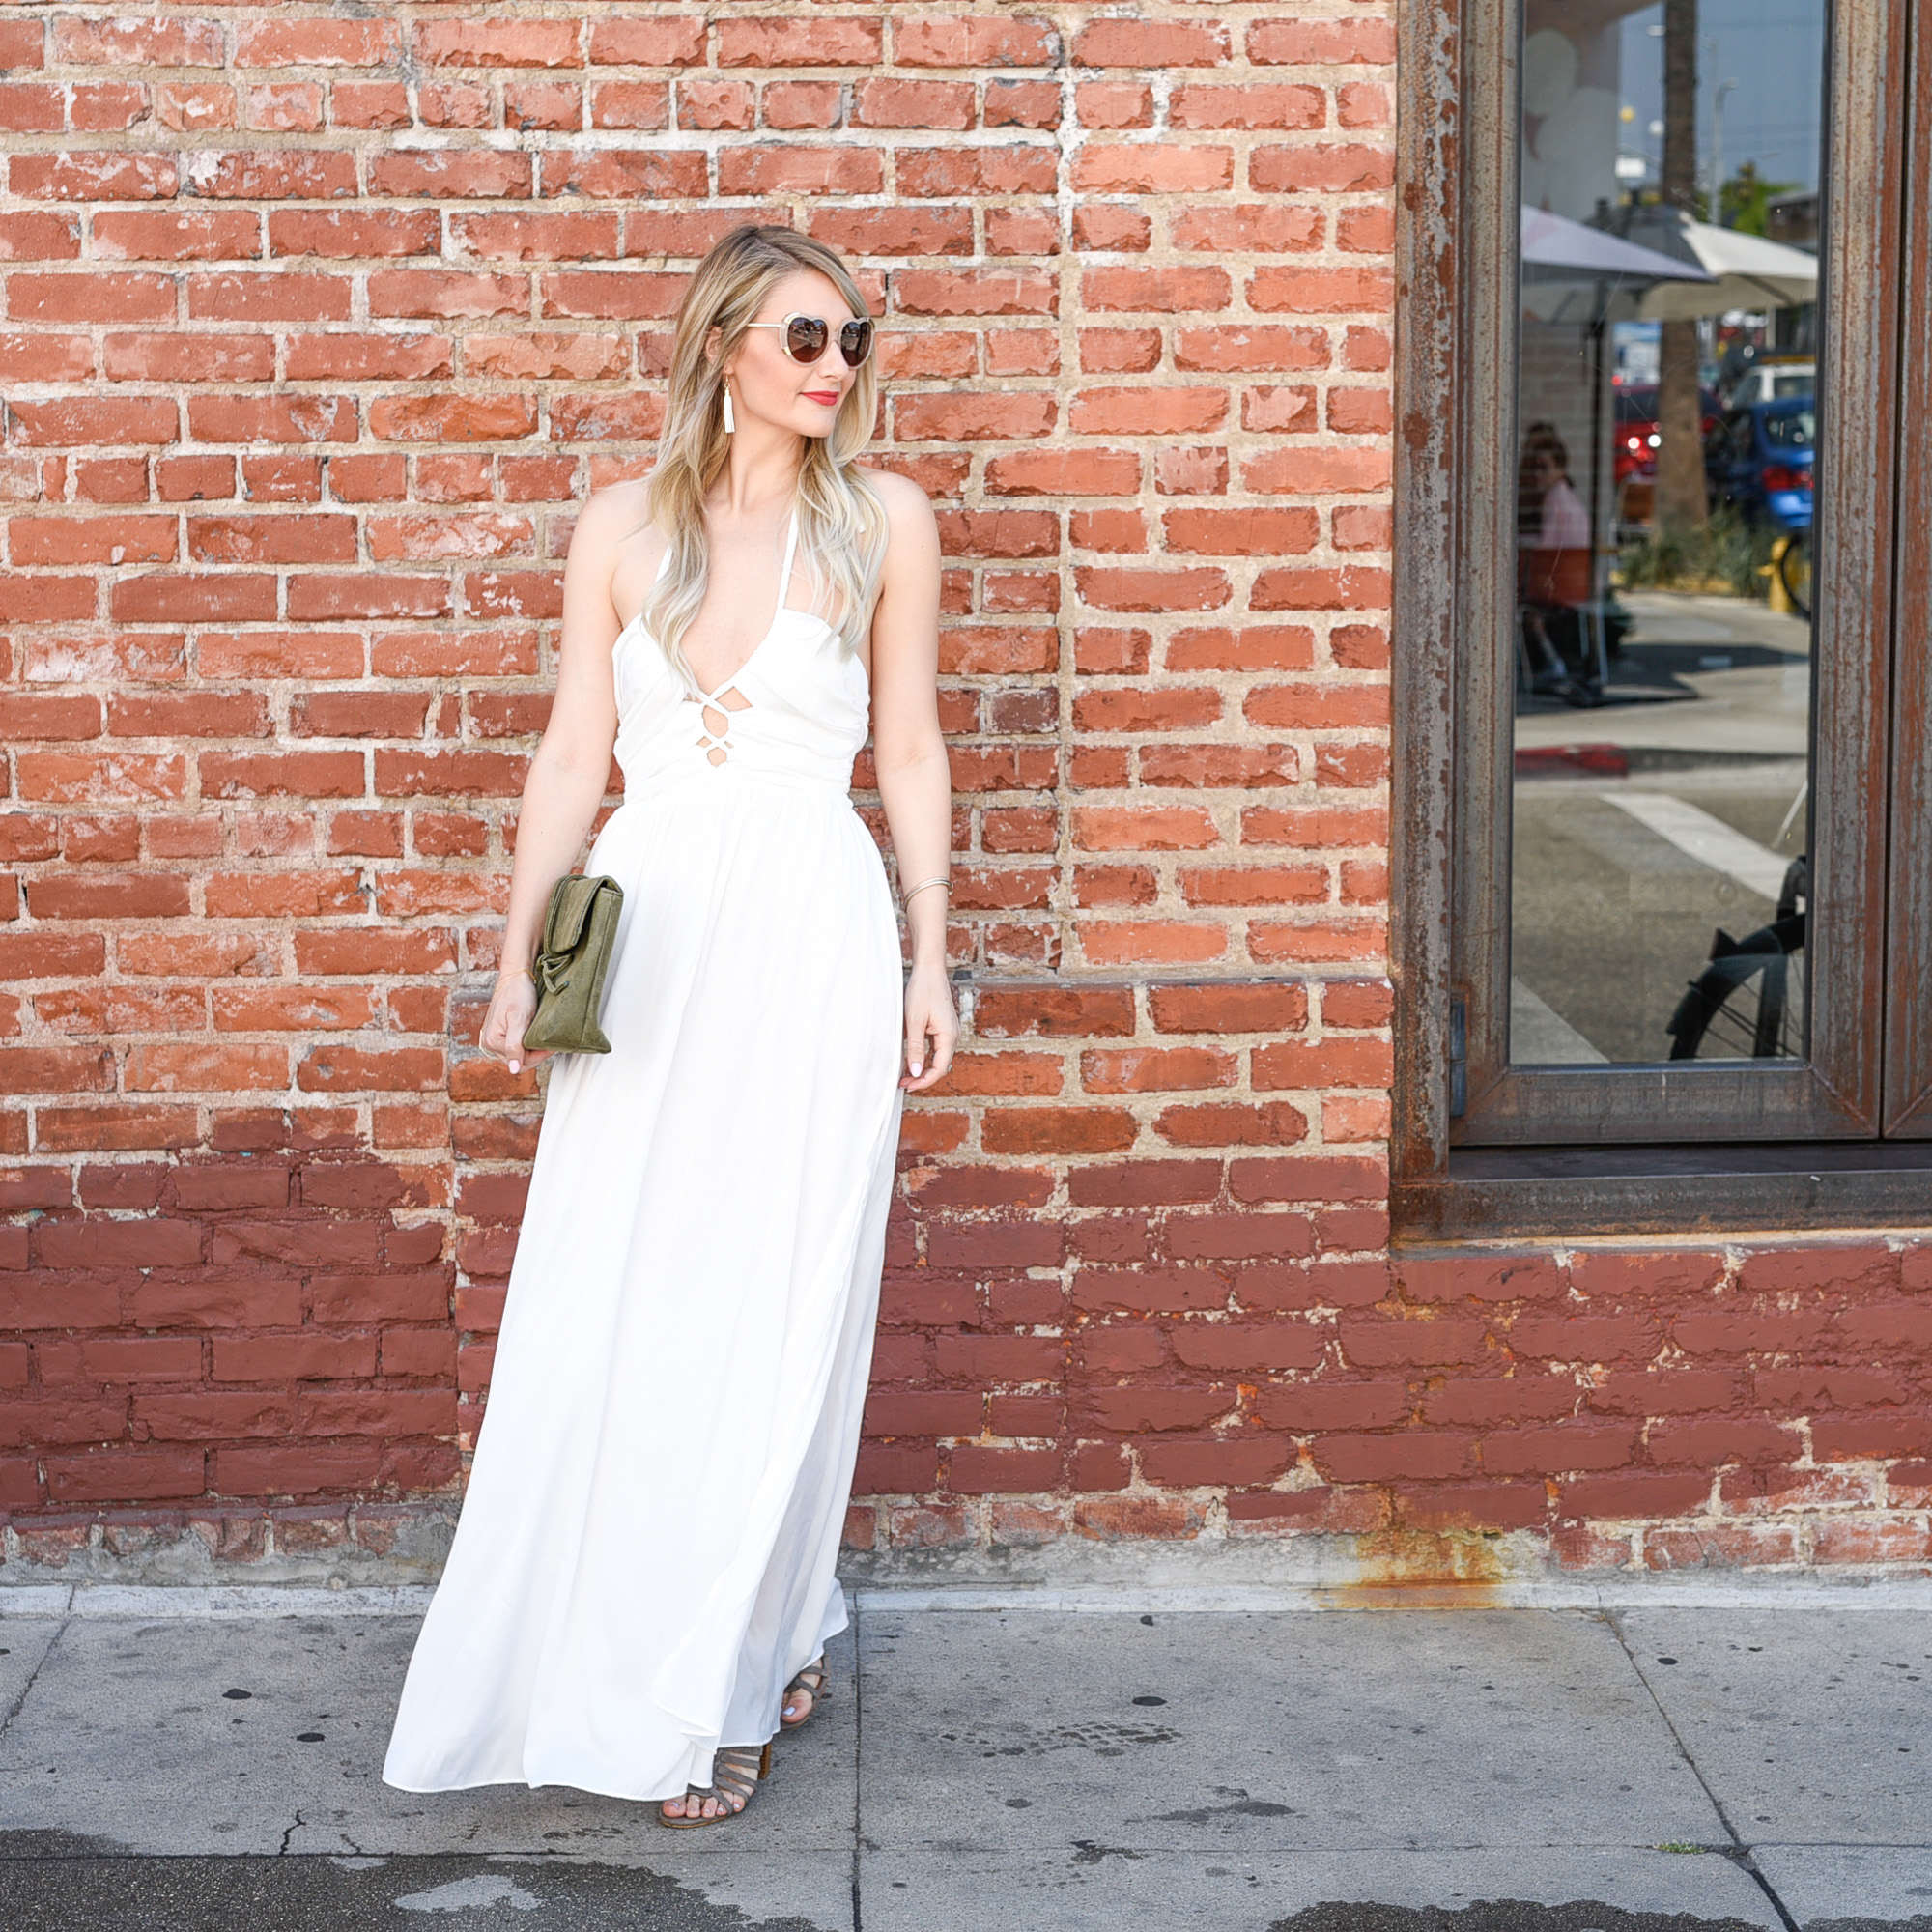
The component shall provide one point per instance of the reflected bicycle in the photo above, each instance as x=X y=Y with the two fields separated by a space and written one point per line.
x=1748 y=1002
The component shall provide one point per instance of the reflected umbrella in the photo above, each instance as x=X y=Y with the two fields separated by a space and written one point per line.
x=1557 y=250
x=1608 y=277
x=1741 y=271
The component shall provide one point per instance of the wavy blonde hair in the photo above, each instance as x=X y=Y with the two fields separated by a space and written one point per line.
x=841 y=525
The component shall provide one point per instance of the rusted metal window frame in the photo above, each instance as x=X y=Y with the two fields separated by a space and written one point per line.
x=1613 y=1149
x=1908 y=1047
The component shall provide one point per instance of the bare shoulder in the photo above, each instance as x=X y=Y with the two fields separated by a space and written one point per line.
x=912 y=532
x=611 y=514
x=906 y=505
x=614 y=549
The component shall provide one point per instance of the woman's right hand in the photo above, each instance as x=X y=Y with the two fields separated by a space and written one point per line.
x=512 y=1006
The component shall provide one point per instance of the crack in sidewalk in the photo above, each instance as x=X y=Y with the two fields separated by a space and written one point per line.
x=19 y=1704
x=858 y=1759
x=1736 y=1851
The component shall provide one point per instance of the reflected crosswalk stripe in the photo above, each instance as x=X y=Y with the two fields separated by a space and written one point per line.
x=1707 y=840
x=1541 y=1037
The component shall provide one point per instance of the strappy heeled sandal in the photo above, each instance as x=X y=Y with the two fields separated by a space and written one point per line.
x=811 y=1681
x=735 y=1771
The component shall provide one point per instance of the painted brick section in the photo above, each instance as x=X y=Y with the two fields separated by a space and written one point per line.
x=316 y=329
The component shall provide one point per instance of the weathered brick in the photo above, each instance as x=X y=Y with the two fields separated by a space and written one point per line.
x=270 y=702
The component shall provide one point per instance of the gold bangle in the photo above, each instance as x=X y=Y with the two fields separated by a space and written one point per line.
x=906 y=898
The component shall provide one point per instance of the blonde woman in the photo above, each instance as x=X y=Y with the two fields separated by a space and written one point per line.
x=642 y=1582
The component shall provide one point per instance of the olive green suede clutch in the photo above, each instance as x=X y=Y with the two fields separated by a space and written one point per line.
x=580 y=928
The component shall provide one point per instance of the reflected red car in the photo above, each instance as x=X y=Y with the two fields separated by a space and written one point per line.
x=1636 y=431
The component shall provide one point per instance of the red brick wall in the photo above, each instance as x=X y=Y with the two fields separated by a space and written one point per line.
x=317 y=326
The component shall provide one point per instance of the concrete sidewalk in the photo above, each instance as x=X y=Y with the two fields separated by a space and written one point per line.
x=1396 y=1769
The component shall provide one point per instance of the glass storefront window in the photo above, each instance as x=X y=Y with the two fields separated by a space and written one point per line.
x=1667 y=412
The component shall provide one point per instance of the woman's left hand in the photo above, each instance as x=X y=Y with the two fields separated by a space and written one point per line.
x=931 y=1028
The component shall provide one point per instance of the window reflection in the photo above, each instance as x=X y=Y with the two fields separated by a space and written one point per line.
x=1667 y=412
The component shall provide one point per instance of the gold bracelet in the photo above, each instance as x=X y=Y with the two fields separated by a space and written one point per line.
x=511 y=972
x=906 y=898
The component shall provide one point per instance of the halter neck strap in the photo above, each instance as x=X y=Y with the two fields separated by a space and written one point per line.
x=784 y=569
x=791 y=550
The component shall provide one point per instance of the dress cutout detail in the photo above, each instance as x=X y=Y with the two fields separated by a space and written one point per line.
x=645 y=1552
x=715 y=739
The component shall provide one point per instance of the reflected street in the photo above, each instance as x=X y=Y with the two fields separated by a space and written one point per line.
x=1644 y=826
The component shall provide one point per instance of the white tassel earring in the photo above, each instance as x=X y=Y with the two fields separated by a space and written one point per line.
x=729 y=425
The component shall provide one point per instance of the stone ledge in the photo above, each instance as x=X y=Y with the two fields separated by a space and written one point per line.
x=358 y=1546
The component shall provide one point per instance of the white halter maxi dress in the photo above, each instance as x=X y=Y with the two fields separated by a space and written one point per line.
x=646 y=1547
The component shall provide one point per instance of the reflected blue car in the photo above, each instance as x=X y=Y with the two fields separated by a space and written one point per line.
x=1759 y=460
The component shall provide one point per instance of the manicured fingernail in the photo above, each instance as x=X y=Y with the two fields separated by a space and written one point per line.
x=916 y=1070
x=516 y=1066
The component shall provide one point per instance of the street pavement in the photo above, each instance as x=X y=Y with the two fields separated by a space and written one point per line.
x=1701 y=677
x=1056 y=1769
x=1619 y=882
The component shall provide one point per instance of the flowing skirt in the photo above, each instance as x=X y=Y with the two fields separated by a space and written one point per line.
x=646 y=1548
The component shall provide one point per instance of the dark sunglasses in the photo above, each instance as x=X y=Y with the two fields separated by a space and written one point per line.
x=806 y=337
